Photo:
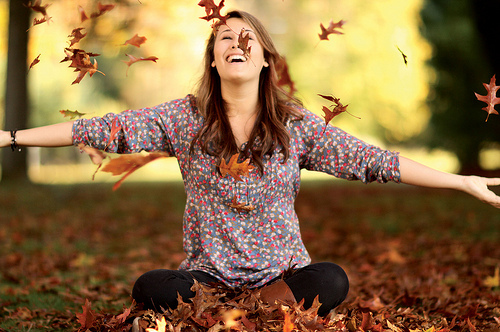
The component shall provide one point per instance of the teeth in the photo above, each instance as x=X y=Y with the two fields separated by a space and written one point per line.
x=233 y=58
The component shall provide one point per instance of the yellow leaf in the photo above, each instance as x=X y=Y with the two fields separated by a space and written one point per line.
x=493 y=281
x=160 y=324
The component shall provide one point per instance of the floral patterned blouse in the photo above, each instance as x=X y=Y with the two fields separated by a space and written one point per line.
x=240 y=246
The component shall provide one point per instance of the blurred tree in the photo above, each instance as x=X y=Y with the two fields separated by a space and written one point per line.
x=16 y=94
x=465 y=54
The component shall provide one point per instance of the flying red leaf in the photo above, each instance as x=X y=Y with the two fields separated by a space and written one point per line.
x=34 y=62
x=115 y=128
x=71 y=114
x=491 y=97
x=134 y=59
x=37 y=7
x=37 y=21
x=136 y=41
x=80 y=60
x=83 y=16
x=77 y=36
x=284 y=79
x=213 y=12
x=332 y=29
x=130 y=163
x=235 y=169
x=101 y=9
x=87 y=317
x=338 y=108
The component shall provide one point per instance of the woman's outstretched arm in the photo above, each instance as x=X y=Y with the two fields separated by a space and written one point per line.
x=420 y=175
x=47 y=136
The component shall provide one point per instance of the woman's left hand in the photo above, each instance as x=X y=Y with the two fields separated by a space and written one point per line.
x=478 y=187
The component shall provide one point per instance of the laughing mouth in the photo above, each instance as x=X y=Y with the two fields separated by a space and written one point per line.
x=236 y=58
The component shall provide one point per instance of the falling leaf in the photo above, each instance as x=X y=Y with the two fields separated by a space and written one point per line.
x=87 y=317
x=284 y=79
x=213 y=12
x=337 y=109
x=37 y=7
x=37 y=21
x=493 y=281
x=235 y=169
x=136 y=41
x=71 y=114
x=101 y=9
x=130 y=163
x=491 y=97
x=80 y=60
x=332 y=29
x=77 y=36
x=243 y=43
x=34 y=62
x=83 y=16
x=133 y=60
x=405 y=58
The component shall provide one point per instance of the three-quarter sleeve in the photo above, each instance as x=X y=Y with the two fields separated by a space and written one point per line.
x=333 y=151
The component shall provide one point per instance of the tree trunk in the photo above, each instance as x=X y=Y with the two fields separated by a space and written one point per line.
x=14 y=166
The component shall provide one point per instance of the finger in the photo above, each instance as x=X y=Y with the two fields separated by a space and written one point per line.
x=493 y=181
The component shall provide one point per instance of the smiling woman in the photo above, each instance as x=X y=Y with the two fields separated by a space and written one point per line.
x=243 y=230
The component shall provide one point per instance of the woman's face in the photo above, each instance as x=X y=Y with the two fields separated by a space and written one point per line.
x=230 y=61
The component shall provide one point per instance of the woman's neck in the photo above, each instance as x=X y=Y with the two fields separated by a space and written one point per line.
x=240 y=100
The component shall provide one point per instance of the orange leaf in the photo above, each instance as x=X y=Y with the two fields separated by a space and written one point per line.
x=130 y=163
x=288 y=325
x=83 y=16
x=235 y=169
x=115 y=128
x=133 y=60
x=87 y=317
x=136 y=41
x=213 y=12
x=240 y=207
x=96 y=156
x=491 y=97
x=243 y=43
x=330 y=114
x=284 y=78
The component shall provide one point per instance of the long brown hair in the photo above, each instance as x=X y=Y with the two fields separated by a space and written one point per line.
x=276 y=107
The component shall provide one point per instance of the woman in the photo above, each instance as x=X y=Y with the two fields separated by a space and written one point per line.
x=245 y=233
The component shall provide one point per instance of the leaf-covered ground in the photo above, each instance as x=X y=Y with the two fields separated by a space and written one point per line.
x=418 y=260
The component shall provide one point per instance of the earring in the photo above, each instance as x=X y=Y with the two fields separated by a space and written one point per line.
x=266 y=64
x=213 y=64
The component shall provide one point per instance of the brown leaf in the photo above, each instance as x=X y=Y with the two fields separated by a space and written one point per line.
x=235 y=169
x=213 y=12
x=101 y=9
x=115 y=128
x=243 y=43
x=284 y=79
x=405 y=58
x=37 y=7
x=133 y=60
x=87 y=317
x=130 y=163
x=241 y=207
x=83 y=16
x=77 y=36
x=34 y=62
x=136 y=41
x=96 y=156
x=491 y=97
x=332 y=29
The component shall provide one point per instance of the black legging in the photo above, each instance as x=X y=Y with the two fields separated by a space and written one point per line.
x=158 y=289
